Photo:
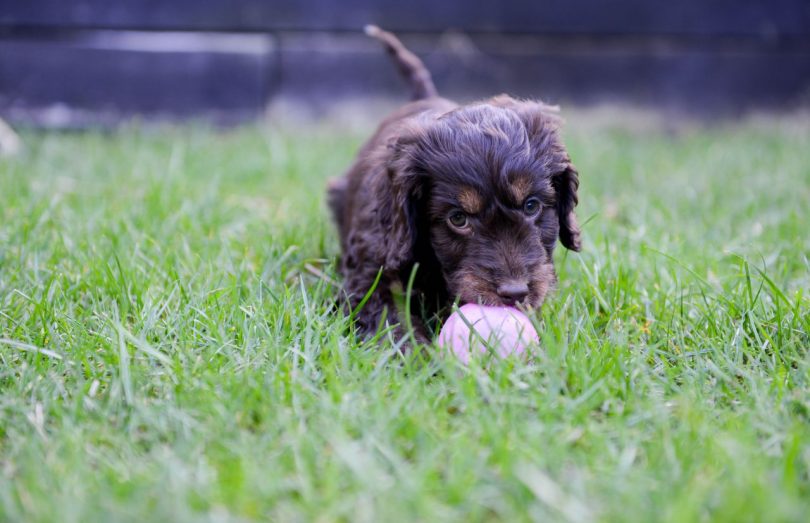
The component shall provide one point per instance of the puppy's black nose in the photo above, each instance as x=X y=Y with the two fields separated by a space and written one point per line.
x=513 y=291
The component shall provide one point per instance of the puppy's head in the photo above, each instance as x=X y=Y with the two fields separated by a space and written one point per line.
x=490 y=187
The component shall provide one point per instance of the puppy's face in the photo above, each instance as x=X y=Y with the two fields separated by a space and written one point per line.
x=494 y=239
x=497 y=190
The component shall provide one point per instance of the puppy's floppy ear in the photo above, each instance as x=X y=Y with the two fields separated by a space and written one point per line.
x=397 y=192
x=542 y=123
x=565 y=185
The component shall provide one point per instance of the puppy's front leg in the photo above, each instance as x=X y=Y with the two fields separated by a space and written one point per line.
x=379 y=306
x=357 y=284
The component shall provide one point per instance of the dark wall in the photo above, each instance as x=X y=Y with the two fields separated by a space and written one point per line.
x=694 y=17
x=62 y=61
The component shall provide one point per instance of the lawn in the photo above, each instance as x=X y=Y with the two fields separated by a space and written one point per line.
x=169 y=351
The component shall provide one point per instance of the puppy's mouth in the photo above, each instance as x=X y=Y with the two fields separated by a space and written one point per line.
x=494 y=300
x=470 y=288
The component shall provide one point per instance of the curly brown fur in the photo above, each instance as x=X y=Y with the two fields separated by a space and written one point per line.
x=476 y=195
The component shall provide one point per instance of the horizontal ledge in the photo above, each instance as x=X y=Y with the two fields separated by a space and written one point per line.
x=154 y=41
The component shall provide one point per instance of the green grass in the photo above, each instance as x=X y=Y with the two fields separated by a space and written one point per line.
x=169 y=351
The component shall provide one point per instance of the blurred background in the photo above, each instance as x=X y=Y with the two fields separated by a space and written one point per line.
x=70 y=63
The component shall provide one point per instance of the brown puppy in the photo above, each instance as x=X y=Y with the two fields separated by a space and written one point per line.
x=476 y=195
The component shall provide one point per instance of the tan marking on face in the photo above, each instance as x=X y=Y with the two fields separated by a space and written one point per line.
x=520 y=188
x=475 y=290
x=543 y=281
x=470 y=200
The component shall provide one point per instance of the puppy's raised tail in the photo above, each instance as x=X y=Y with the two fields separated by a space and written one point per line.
x=410 y=66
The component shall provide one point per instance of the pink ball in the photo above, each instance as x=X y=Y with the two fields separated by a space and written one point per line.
x=505 y=329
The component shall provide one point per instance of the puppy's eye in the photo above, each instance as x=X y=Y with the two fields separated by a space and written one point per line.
x=458 y=219
x=532 y=206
